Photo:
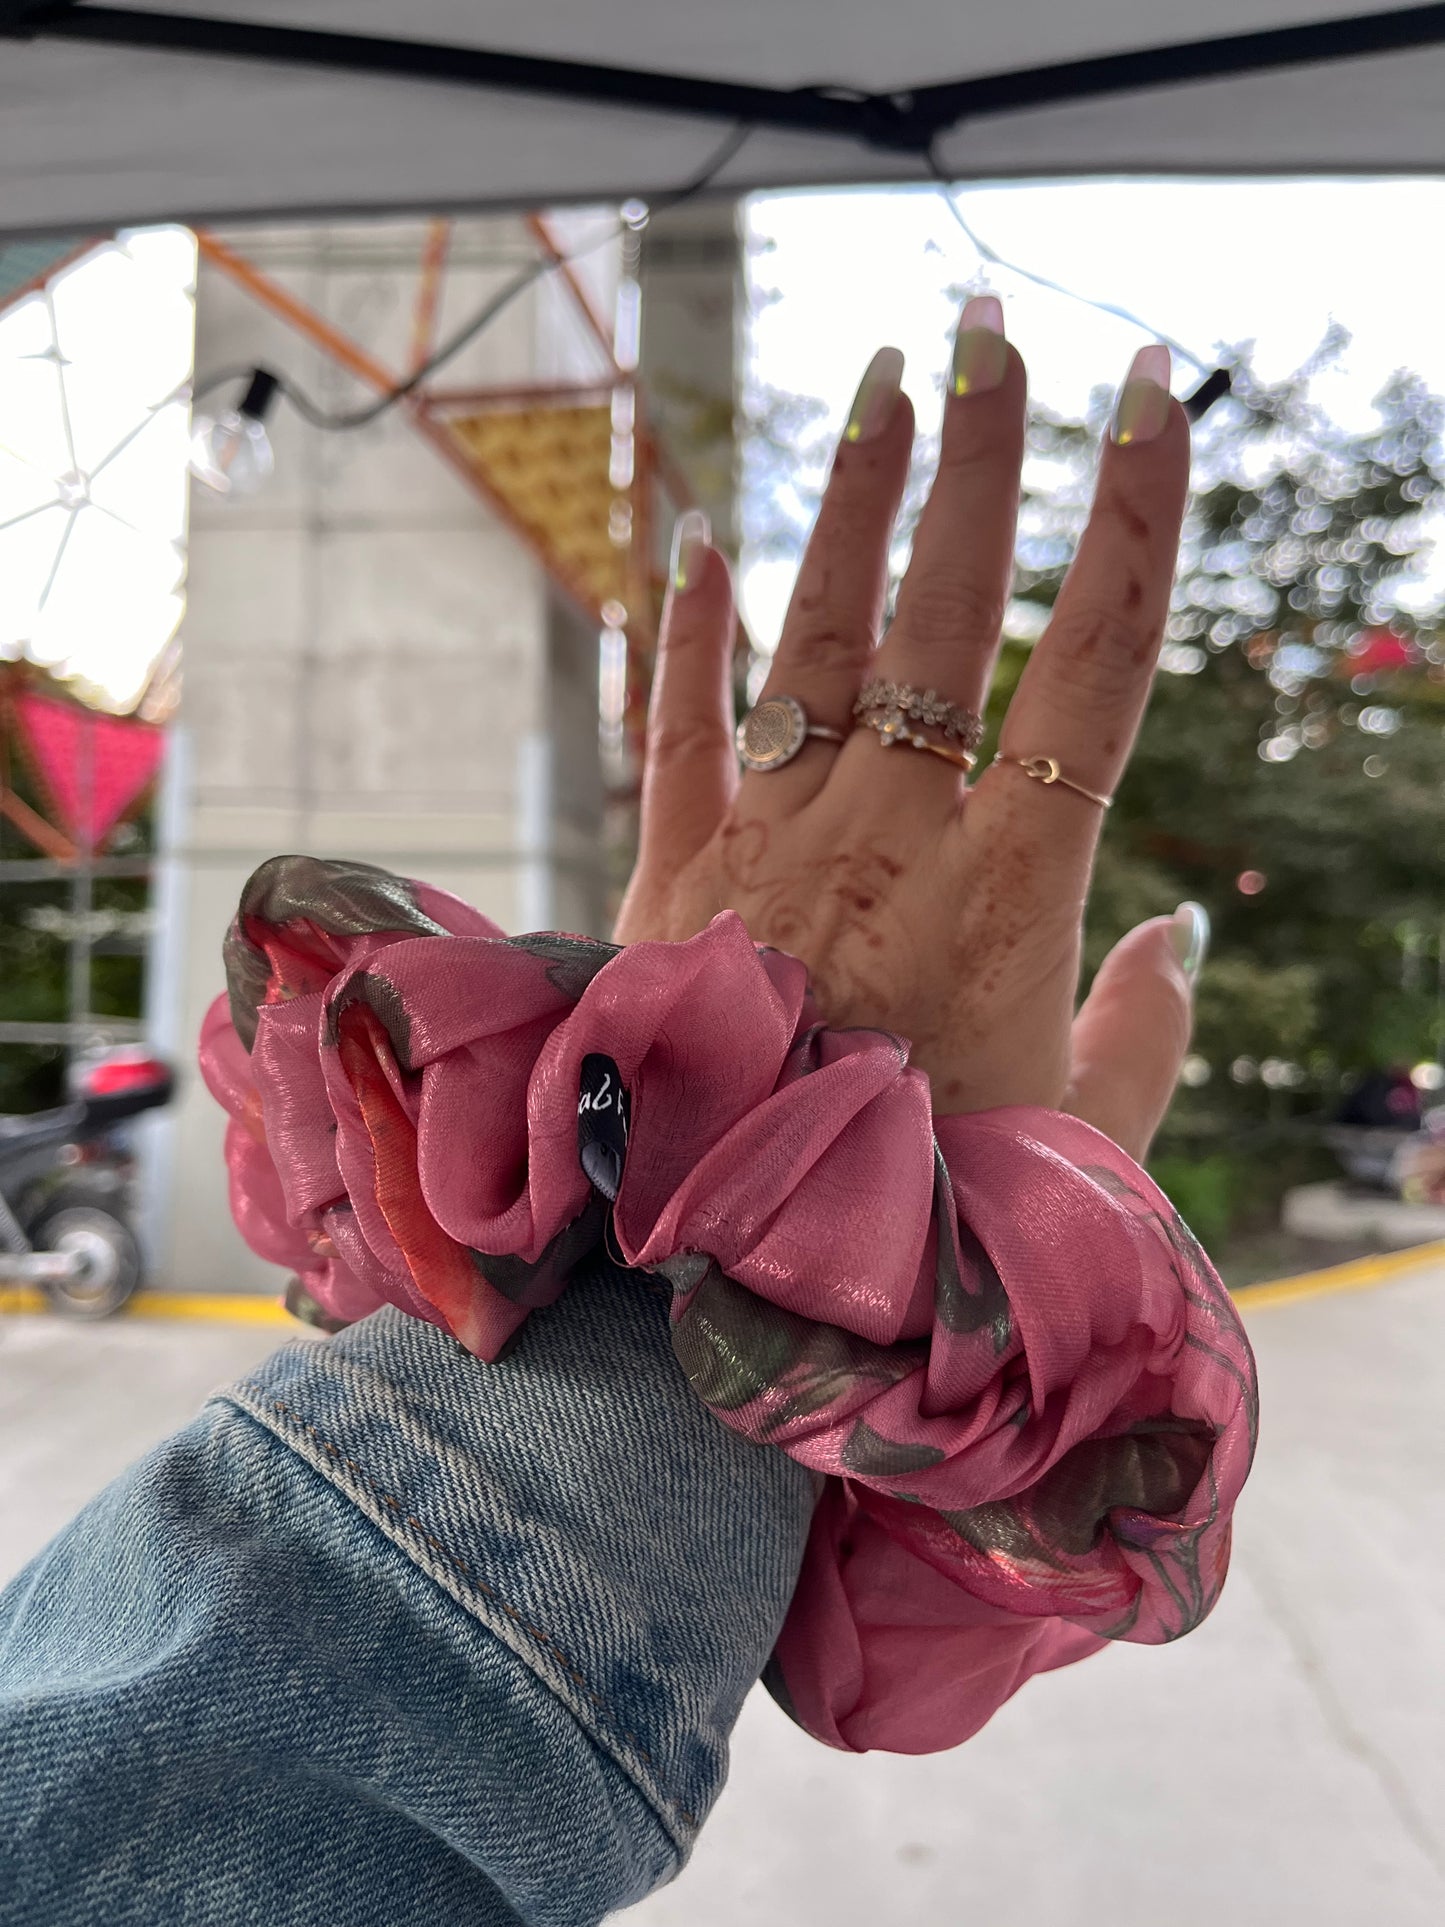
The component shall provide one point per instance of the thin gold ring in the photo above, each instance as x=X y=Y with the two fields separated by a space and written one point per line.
x=892 y=729
x=1044 y=769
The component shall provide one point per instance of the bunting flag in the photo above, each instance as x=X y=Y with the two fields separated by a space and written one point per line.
x=551 y=468
x=94 y=767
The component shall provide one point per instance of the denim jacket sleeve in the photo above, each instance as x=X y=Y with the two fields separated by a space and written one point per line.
x=387 y=1635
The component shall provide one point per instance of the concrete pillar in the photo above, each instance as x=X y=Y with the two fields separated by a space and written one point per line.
x=692 y=317
x=374 y=666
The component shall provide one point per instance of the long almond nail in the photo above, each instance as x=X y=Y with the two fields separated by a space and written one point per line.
x=877 y=396
x=1190 y=933
x=691 y=537
x=980 y=353
x=1143 y=406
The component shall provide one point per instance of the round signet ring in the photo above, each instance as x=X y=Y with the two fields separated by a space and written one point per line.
x=773 y=732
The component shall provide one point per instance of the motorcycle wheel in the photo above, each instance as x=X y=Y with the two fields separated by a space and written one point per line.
x=111 y=1260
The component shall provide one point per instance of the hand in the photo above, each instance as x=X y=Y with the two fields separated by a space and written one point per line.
x=947 y=912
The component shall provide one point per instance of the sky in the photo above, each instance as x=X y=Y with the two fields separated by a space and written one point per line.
x=1207 y=262
x=94 y=445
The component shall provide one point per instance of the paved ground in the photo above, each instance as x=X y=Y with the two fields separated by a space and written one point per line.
x=1285 y=1767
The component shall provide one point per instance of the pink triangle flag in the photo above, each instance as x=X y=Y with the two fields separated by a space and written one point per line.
x=94 y=766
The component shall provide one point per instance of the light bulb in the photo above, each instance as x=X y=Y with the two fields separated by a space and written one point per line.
x=232 y=453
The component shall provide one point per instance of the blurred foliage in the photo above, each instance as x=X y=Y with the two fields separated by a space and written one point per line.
x=1290 y=775
x=1204 y=1190
x=1296 y=732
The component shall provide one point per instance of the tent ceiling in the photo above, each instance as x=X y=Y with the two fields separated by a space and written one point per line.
x=213 y=122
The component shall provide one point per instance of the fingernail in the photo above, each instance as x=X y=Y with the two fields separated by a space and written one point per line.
x=691 y=537
x=877 y=396
x=980 y=353
x=1190 y=934
x=1143 y=405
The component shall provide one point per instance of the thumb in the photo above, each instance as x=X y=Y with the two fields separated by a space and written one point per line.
x=1130 y=1037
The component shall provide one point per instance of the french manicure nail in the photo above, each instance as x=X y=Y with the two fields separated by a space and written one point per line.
x=1143 y=406
x=877 y=396
x=691 y=537
x=1190 y=935
x=980 y=353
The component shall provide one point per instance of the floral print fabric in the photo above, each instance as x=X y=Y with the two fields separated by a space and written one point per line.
x=1028 y=1395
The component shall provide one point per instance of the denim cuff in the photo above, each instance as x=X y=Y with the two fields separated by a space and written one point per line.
x=579 y=1501
x=390 y=1636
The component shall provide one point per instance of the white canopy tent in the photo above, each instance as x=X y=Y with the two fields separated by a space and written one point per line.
x=239 y=108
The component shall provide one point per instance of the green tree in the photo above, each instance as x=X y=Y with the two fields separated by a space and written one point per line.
x=1289 y=772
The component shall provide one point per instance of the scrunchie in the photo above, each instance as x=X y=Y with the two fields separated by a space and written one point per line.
x=1030 y=1396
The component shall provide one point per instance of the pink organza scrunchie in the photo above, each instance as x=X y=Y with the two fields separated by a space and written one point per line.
x=1029 y=1392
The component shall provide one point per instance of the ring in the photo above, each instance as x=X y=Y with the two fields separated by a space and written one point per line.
x=773 y=732
x=900 y=699
x=1043 y=769
x=892 y=729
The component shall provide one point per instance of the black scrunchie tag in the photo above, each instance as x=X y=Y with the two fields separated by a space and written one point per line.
x=602 y=1122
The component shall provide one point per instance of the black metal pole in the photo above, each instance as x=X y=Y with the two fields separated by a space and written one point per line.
x=816 y=110
x=909 y=120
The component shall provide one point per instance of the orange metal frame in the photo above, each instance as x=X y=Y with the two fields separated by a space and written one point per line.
x=428 y=296
x=429 y=406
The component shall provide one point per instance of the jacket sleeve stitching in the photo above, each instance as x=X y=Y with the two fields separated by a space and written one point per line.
x=472 y=1578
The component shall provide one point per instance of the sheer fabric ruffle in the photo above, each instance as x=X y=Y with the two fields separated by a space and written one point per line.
x=1028 y=1392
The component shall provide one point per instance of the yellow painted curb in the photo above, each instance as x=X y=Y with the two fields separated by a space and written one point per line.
x=1359 y=1274
x=220 y=1308
x=235 y=1308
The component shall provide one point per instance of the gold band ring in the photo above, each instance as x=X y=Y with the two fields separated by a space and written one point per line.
x=892 y=729
x=1043 y=769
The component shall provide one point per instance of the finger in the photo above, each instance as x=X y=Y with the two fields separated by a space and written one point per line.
x=690 y=771
x=1131 y=1035
x=833 y=621
x=1083 y=691
x=945 y=633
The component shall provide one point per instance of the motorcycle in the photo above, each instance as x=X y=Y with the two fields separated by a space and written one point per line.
x=67 y=1182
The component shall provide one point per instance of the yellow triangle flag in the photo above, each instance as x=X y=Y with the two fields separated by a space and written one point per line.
x=551 y=468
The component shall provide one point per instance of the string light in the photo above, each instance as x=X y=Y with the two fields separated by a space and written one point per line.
x=231 y=453
x=1217 y=381
x=248 y=452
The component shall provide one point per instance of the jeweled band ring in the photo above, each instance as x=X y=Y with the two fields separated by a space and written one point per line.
x=892 y=727
x=1044 y=769
x=900 y=699
x=774 y=730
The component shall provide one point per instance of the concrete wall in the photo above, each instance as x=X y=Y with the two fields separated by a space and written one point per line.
x=374 y=667
x=692 y=315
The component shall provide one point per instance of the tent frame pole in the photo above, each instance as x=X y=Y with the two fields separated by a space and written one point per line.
x=907 y=120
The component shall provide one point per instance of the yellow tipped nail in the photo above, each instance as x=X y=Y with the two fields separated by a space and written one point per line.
x=1143 y=406
x=980 y=353
x=691 y=539
x=877 y=396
